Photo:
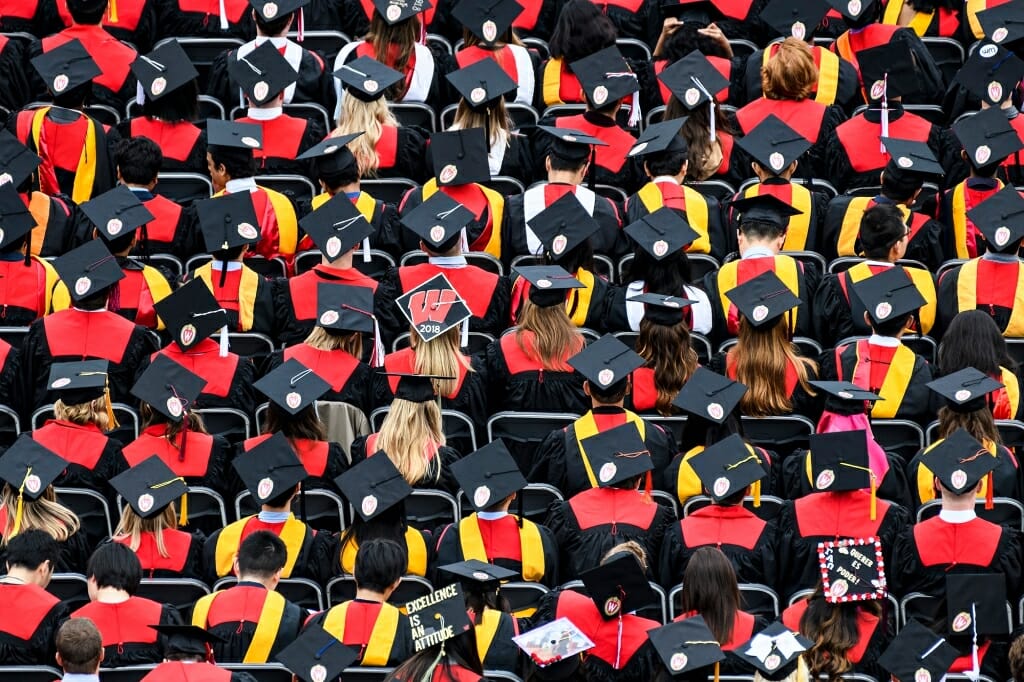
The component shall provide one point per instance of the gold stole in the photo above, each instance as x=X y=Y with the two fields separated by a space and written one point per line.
x=586 y=426
x=378 y=648
x=967 y=296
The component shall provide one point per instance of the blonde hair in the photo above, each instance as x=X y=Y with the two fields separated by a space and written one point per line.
x=403 y=36
x=411 y=435
x=555 y=337
x=132 y=526
x=83 y=414
x=441 y=356
x=350 y=342
x=494 y=120
x=790 y=73
x=44 y=513
x=762 y=358
x=629 y=547
x=370 y=119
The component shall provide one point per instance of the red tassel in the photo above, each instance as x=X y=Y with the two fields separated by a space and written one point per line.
x=648 y=487
x=114 y=298
x=989 y=493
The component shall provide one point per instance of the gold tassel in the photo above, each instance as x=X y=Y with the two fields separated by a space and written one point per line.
x=21 y=506
x=112 y=12
x=183 y=517
x=989 y=491
x=112 y=422
x=757 y=493
x=874 y=497
x=716 y=672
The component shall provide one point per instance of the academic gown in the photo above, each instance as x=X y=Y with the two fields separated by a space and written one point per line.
x=611 y=164
x=494 y=633
x=93 y=457
x=366 y=446
x=136 y=22
x=235 y=615
x=874 y=634
x=586 y=307
x=202 y=18
x=624 y=314
x=9 y=369
x=929 y=79
x=483 y=233
x=380 y=633
x=170 y=231
x=529 y=550
x=424 y=74
x=509 y=156
x=124 y=628
x=115 y=86
x=336 y=15
x=517 y=61
x=468 y=397
x=340 y=553
x=15 y=93
x=402 y=153
x=58 y=224
x=841 y=230
x=592 y=522
x=228 y=380
x=38 y=17
x=517 y=382
x=323 y=460
x=182 y=143
x=27 y=634
x=560 y=460
x=284 y=138
x=184 y=549
x=279 y=229
x=682 y=481
x=557 y=84
x=838 y=82
x=313 y=85
x=993 y=283
x=205 y=462
x=745 y=626
x=133 y=297
x=25 y=291
x=1006 y=476
x=304 y=547
x=245 y=295
x=730 y=69
x=813 y=120
x=350 y=379
x=704 y=214
x=963 y=239
x=893 y=486
x=201 y=671
x=802 y=402
x=823 y=517
x=802 y=231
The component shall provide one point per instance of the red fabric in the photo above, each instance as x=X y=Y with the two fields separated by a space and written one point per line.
x=973 y=197
x=973 y=543
x=204 y=360
x=5 y=350
x=100 y=335
x=605 y=633
x=360 y=617
x=176 y=542
x=502 y=55
x=517 y=361
x=152 y=442
x=312 y=453
x=803 y=116
x=232 y=8
x=725 y=142
x=873 y=366
x=859 y=138
x=966 y=662
x=124 y=623
x=612 y=506
x=302 y=288
x=475 y=286
x=64 y=141
x=29 y=604
x=645 y=393
x=112 y=56
x=404 y=361
x=387 y=146
x=77 y=443
x=281 y=137
x=501 y=538
x=134 y=294
x=844 y=514
x=270 y=235
x=870 y=36
x=365 y=49
x=182 y=671
x=742 y=628
x=175 y=139
x=527 y=19
x=22 y=287
x=792 y=378
x=227 y=295
x=716 y=525
x=746 y=270
x=164 y=226
x=997 y=283
x=612 y=156
x=333 y=366
x=239 y=604
x=254 y=524
x=20 y=9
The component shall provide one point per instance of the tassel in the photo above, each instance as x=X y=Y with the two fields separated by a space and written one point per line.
x=711 y=115
x=114 y=298
x=366 y=250
x=112 y=12
x=975 y=672
x=716 y=672
x=140 y=94
x=874 y=497
x=28 y=249
x=223 y=273
x=429 y=674
x=989 y=492
x=183 y=517
x=634 y=110
x=112 y=422
x=756 y=489
x=885 y=111
x=223 y=350
x=464 y=241
x=648 y=487
x=223 y=15
x=464 y=341
x=302 y=26
x=618 y=643
x=377 y=357
x=21 y=506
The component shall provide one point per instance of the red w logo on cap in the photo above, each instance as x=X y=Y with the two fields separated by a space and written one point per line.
x=432 y=305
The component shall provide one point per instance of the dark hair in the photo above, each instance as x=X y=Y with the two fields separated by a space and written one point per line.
x=698 y=431
x=73 y=98
x=973 y=340
x=86 y=11
x=80 y=646
x=609 y=394
x=900 y=185
x=262 y=554
x=881 y=227
x=94 y=301
x=228 y=254
x=687 y=38
x=388 y=525
x=834 y=632
x=579 y=256
x=282 y=499
x=760 y=229
x=667 y=163
x=667 y=276
x=181 y=104
x=890 y=327
x=30 y=548
x=272 y=27
x=334 y=179
x=710 y=588
x=379 y=563
x=238 y=163
x=120 y=244
x=581 y=30
x=561 y=162
x=115 y=565
x=303 y=425
x=459 y=650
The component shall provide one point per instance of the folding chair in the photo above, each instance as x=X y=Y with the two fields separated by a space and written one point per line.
x=505 y=185
x=366 y=674
x=718 y=189
x=295 y=187
x=327 y=43
x=900 y=436
x=655 y=115
x=948 y=55
x=631 y=48
x=702 y=345
x=325 y=510
x=13 y=335
x=523 y=598
x=616 y=194
x=416 y=114
x=380 y=262
x=211 y=107
x=760 y=600
x=232 y=424
x=167 y=262
x=388 y=190
x=700 y=265
x=250 y=344
x=343 y=588
x=202 y=52
x=30 y=673
x=92 y=510
x=481 y=259
x=10 y=426
x=537 y=45
x=262 y=672
x=501 y=675
x=205 y=510
x=104 y=114
x=430 y=509
x=522 y=115
x=673 y=425
x=301 y=591
x=782 y=434
x=183 y=188
x=181 y=593
x=70 y=588
x=1005 y=511
x=523 y=432
x=127 y=417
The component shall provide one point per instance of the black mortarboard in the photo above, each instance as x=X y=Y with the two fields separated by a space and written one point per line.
x=191 y=313
x=852 y=9
x=617 y=455
x=66 y=66
x=571 y=144
x=763 y=300
x=88 y=269
x=270 y=469
x=976 y=604
x=911 y=156
x=169 y=388
x=149 y=486
x=796 y=18
x=263 y=73
x=843 y=394
x=220 y=133
x=1000 y=218
x=317 y=655
x=606 y=361
x=987 y=137
x=839 y=461
x=727 y=467
x=888 y=70
x=959 y=461
x=394 y=11
x=483 y=81
x=660 y=137
x=269 y=10
x=709 y=395
x=366 y=79
x=228 y=221
x=460 y=156
x=437 y=617
x=373 y=486
x=773 y=144
x=618 y=586
x=477 y=575
x=416 y=388
x=488 y=475
x=187 y=639
x=438 y=221
x=991 y=74
x=332 y=155
x=292 y=386
x=775 y=651
x=433 y=307
x=765 y=208
x=17 y=161
x=488 y=21
x=549 y=284
x=1002 y=24
x=116 y=213
x=889 y=294
x=79 y=382
x=29 y=467
x=662 y=309
x=686 y=645
x=15 y=219
x=563 y=225
x=917 y=655
x=344 y=307
x=852 y=570
x=337 y=226
x=163 y=70
x=965 y=390
x=693 y=80
x=605 y=76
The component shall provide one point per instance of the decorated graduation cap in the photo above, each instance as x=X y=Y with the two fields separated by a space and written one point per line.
x=476 y=575
x=394 y=11
x=163 y=70
x=438 y=221
x=853 y=10
x=991 y=74
x=1002 y=24
x=763 y=300
x=660 y=137
x=549 y=284
x=482 y=82
x=292 y=386
x=416 y=388
x=618 y=586
x=29 y=468
x=888 y=71
x=571 y=144
x=169 y=388
x=773 y=144
x=79 y=382
x=606 y=362
x=332 y=155
x=317 y=655
x=563 y=225
x=910 y=156
x=66 y=66
x=15 y=219
x=438 y=617
x=617 y=455
x=987 y=137
x=686 y=645
x=554 y=648
x=488 y=20
x=262 y=74
x=693 y=80
x=232 y=134
x=764 y=208
x=960 y=462
x=367 y=79
x=228 y=221
x=17 y=161
x=662 y=309
x=373 y=486
x=337 y=226
x=796 y=18
x=270 y=469
x=433 y=307
x=775 y=651
x=709 y=395
x=965 y=390
x=852 y=570
x=1000 y=218
x=88 y=270
x=606 y=78
x=976 y=604
x=344 y=307
x=728 y=467
x=191 y=314
x=116 y=213
x=488 y=475
x=889 y=295
x=917 y=654
x=149 y=486
x=190 y=640
x=460 y=156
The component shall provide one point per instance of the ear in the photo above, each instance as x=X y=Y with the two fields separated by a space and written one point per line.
x=60 y=659
x=586 y=388
x=867 y=320
x=881 y=178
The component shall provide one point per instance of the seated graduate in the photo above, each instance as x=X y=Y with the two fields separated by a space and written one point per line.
x=28 y=278
x=79 y=650
x=26 y=637
x=688 y=646
x=973 y=340
x=914 y=649
x=777 y=653
x=188 y=653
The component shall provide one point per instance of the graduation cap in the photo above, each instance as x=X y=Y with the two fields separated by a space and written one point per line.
x=839 y=461
x=17 y=161
x=15 y=219
x=571 y=144
x=332 y=155
x=317 y=655
x=709 y=395
x=563 y=225
x=727 y=467
x=991 y=74
x=686 y=645
x=773 y=144
x=366 y=79
x=269 y=10
x=1002 y=24
x=169 y=388
x=190 y=640
x=549 y=284
x=88 y=269
x=460 y=156
x=270 y=469
x=78 y=383
x=606 y=362
x=416 y=388
x=965 y=390
x=987 y=137
x=888 y=70
x=605 y=76
x=660 y=137
x=337 y=226
x=618 y=455
x=116 y=213
x=693 y=80
x=292 y=386
x=618 y=586
x=1000 y=218
x=763 y=300
x=394 y=11
x=483 y=81
x=344 y=307
x=853 y=9
x=775 y=651
x=488 y=21
x=959 y=462
x=911 y=156
x=163 y=70
x=477 y=576
x=66 y=66
x=438 y=617
x=191 y=313
x=433 y=307
x=438 y=221
x=488 y=475
x=554 y=648
x=843 y=395
x=29 y=468
x=220 y=133
x=796 y=18
x=764 y=208
x=890 y=294
x=976 y=604
x=917 y=654
x=662 y=309
x=263 y=73
x=852 y=570
x=228 y=221
x=373 y=486
x=149 y=486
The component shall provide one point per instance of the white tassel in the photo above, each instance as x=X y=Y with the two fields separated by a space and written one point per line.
x=885 y=111
x=140 y=94
x=377 y=357
x=975 y=672
x=464 y=343
x=634 y=110
x=711 y=113
x=366 y=250
x=464 y=241
x=223 y=16
x=302 y=25
x=223 y=351
x=618 y=645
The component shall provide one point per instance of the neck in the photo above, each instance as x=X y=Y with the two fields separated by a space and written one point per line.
x=342 y=262
x=677 y=179
x=22 y=575
x=595 y=405
x=565 y=177
x=248 y=578
x=352 y=188
x=370 y=595
x=957 y=503
x=111 y=595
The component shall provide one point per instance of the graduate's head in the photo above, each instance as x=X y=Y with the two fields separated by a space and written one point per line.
x=180 y=104
x=790 y=73
x=277 y=26
x=380 y=565
x=973 y=339
x=79 y=647
x=261 y=558
x=33 y=555
x=132 y=526
x=567 y=162
x=87 y=11
x=710 y=588
x=686 y=38
x=608 y=395
x=668 y=351
x=883 y=233
x=834 y=628
x=1015 y=658
x=899 y=185
x=303 y=425
x=581 y=30
x=411 y=428
x=138 y=160
x=336 y=177
x=630 y=547
x=229 y=163
x=672 y=162
x=113 y=566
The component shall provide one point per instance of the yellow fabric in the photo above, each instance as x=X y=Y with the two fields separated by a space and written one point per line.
x=688 y=483
x=415 y=545
x=786 y=269
x=530 y=545
x=490 y=621
x=247 y=287
x=378 y=648
x=293 y=533
x=799 y=225
x=287 y=223
x=919 y=24
x=159 y=289
x=967 y=297
x=578 y=304
x=39 y=207
x=959 y=207
x=922 y=282
x=971 y=9
x=926 y=479
x=828 y=75
x=850 y=229
x=85 y=173
x=51 y=302
x=1009 y=381
x=586 y=426
x=895 y=384
x=495 y=205
x=696 y=213
x=365 y=203
x=552 y=83
x=266 y=629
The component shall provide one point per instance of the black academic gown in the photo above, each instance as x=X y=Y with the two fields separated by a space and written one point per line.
x=9 y=368
x=284 y=138
x=184 y=554
x=801 y=402
x=612 y=165
x=703 y=213
x=27 y=633
x=182 y=143
x=893 y=486
x=514 y=381
x=234 y=615
x=136 y=22
x=338 y=553
x=124 y=627
x=308 y=549
x=206 y=459
x=93 y=457
x=201 y=18
x=245 y=284
x=994 y=280
x=315 y=83
x=114 y=87
x=25 y=290
x=874 y=634
x=962 y=238
x=813 y=120
x=184 y=671
x=59 y=224
x=229 y=379
x=802 y=231
x=323 y=460
x=682 y=481
x=842 y=226
x=505 y=544
x=928 y=77
x=358 y=628
x=482 y=233
x=1006 y=476
x=171 y=231
x=37 y=17
x=15 y=93
x=351 y=379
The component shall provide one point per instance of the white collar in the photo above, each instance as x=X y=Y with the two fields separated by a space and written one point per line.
x=98 y=310
x=79 y=677
x=758 y=252
x=491 y=516
x=264 y=114
x=448 y=261
x=274 y=517
x=1000 y=257
x=886 y=341
x=665 y=178
x=962 y=516
x=276 y=41
x=879 y=263
x=240 y=185
x=230 y=265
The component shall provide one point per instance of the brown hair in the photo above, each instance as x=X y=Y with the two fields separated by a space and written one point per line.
x=628 y=547
x=710 y=588
x=762 y=358
x=403 y=36
x=668 y=352
x=790 y=73
x=1016 y=658
x=833 y=630
x=979 y=423
x=132 y=526
x=304 y=425
x=80 y=646
x=555 y=337
x=151 y=417
x=83 y=414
